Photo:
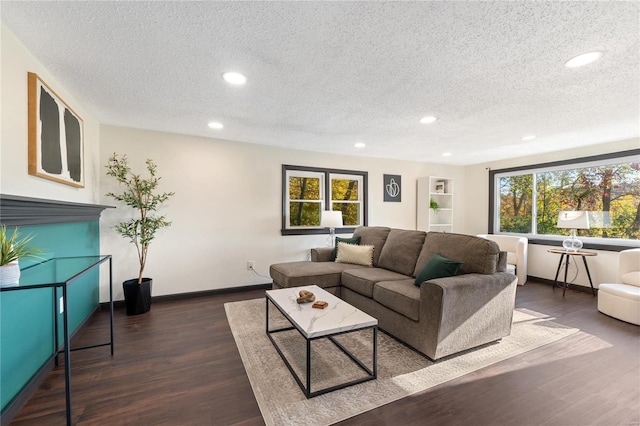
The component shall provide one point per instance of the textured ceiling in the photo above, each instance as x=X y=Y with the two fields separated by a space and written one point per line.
x=324 y=75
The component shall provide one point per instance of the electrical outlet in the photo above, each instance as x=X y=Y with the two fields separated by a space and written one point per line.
x=61 y=304
x=249 y=265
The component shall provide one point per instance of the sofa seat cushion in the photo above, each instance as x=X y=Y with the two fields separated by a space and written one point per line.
x=362 y=280
x=401 y=251
x=322 y=274
x=401 y=296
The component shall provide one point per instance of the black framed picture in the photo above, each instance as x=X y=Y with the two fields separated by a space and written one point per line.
x=56 y=136
x=392 y=188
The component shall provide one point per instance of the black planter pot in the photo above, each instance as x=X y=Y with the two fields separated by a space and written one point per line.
x=137 y=297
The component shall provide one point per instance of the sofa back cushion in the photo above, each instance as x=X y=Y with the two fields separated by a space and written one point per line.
x=478 y=255
x=401 y=251
x=373 y=236
x=631 y=278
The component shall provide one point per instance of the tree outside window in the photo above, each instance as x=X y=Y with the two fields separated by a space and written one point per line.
x=305 y=202
x=610 y=192
x=346 y=197
x=307 y=191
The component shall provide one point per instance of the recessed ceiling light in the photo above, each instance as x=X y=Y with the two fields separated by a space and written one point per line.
x=359 y=144
x=528 y=138
x=428 y=119
x=215 y=125
x=584 y=59
x=234 y=78
x=446 y=154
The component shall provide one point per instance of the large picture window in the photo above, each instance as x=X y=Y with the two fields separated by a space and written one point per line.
x=527 y=200
x=307 y=191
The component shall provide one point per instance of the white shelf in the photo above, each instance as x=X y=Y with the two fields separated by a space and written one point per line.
x=427 y=219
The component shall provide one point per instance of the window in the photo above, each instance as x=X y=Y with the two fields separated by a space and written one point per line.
x=527 y=200
x=307 y=191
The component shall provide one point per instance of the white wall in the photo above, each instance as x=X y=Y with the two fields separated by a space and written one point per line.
x=228 y=206
x=541 y=263
x=16 y=62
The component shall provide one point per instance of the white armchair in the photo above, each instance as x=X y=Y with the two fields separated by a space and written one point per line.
x=621 y=300
x=516 y=248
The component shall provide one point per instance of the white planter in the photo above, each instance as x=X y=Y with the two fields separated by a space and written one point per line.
x=10 y=274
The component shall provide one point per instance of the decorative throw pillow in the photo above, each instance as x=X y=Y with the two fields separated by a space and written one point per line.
x=358 y=255
x=438 y=267
x=353 y=240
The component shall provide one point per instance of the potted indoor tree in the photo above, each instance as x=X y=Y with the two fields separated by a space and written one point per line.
x=139 y=193
x=11 y=250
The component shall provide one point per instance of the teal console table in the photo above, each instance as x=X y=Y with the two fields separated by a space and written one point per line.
x=60 y=273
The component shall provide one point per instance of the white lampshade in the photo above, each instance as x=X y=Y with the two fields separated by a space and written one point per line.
x=573 y=220
x=331 y=219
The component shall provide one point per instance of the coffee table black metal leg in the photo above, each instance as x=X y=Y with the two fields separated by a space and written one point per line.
x=307 y=391
x=586 y=267
x=267 y=311
x=375 y=352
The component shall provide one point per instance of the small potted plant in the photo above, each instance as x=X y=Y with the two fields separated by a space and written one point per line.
x=11 y=250
x=433 y=205
x=140 y=194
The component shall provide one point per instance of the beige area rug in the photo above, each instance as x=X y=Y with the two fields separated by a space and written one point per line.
x=401 y=371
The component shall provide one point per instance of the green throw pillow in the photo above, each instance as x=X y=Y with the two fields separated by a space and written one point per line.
x=353 y=240
x=438 y=267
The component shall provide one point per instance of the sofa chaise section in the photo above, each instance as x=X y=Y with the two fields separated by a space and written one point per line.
x=325 y=274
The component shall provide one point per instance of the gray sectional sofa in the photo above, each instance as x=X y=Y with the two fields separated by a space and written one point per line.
x=438 y=317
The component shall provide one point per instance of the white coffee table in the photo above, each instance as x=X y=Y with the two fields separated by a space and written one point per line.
x=338 y=317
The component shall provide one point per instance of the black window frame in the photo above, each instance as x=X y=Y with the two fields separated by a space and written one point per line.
x=327 y=196
x=537 y=239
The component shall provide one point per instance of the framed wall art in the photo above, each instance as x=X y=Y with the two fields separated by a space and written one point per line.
x=392 y=188
x=56 y=136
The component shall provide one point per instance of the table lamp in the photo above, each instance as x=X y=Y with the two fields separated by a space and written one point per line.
x=573 y=220
x=332 y=220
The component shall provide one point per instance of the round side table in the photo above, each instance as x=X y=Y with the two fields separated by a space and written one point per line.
x=563 y=253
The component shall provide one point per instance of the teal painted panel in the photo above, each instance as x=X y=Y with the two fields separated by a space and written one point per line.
x=27 y=337
x=26 y=317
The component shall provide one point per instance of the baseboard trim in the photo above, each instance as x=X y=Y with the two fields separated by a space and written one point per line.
x=27 y=391
x=180 y=296
x=571 y=286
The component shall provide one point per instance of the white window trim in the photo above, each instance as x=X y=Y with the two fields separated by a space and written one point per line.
x=303 y=174
x=360 y=179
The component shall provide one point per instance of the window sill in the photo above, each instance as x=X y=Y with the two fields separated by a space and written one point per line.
x=613 y=246
x=316 y=231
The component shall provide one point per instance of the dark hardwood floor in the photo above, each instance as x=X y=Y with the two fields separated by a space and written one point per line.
x=179 y=365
